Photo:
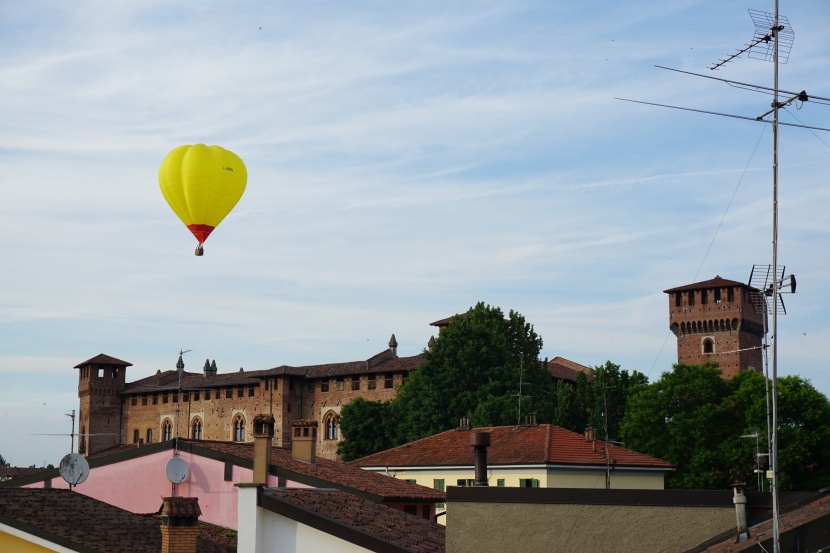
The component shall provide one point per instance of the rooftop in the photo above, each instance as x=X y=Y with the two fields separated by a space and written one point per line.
x=716 y=282
x=511 y=445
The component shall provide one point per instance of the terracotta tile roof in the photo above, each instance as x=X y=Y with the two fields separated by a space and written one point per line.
x=510 y=445
x=762 y=532
x=327 y=473
x=712 y=283
x=342 y=515
x=444 y=322
x=102 y=359
x=564 y=369
x=169 y=380
x=75 y=521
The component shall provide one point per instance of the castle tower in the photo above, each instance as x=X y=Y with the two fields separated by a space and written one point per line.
x=714 y=321
x=100 y=380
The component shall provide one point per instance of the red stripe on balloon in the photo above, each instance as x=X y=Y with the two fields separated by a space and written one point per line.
x=201 y=232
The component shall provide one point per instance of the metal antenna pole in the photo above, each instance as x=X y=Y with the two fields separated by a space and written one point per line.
x=774 y=453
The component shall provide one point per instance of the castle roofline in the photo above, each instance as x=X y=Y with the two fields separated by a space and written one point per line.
x=103 y=359
x=716 y=282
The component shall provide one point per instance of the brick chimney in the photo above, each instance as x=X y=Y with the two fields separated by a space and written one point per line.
x=179 y=530
x=393 y=346
x=263 y=440
x=304 y=441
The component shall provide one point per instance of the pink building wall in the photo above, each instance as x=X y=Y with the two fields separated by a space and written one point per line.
x=137 y=485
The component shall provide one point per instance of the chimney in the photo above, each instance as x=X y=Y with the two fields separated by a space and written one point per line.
x=393 y=346
x=739 y=499
x=263 y=440
x=590 y=434
x=480 y=442
x=179 y=529
x=304 y=441
x=464 y=423
x=431 y=343
x=210 y=368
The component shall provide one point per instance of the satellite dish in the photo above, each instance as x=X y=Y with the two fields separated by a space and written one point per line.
x=74 y=468
x=176 y=470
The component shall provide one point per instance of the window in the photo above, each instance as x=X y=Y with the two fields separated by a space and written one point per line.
x=371 y=382
x=115 y=372
x=239 y=428
x=330 y=424
x=324 y=385
x=134 y=401
x=240 y=392
x=251 y=391
x=290 y=383
x=155 y=399
x=196 y=396
x=186 y=397
x=149 y=435
x=143 y=399
x=678 y=299
x=166 y=430
x=464 y=482
x=355 y=383
x=411 y=509
x=500 y=482
x=704 y=297
x=196 y=429
x=388 y=380
x=730 y=294
x=411 y=480
x=207 y=395
x=528 y=483
x=438 y=484
x=228 y=393
x=309 y=387
x=717 y=295
x=338 y=384
x=175 y=397
x=425 y=511
x=164 y=398
x=136 y=435
x=708 y=345
x=267 y=385
x=691 y=297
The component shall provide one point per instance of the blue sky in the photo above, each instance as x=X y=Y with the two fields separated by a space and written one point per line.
x=405 y=161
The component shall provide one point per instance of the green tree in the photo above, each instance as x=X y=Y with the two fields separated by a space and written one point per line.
x=3 y=462
x=474 y=369
x=367 y=424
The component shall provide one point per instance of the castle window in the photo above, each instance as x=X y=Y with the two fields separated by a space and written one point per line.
x=730 y=294
x=155 y=399
x=228 y=393
x=240 y=392
x=290 y=383
x=330 y=424
x=310 y=386
x=372 y=382
x=708 y=346
x=251 y=391
x=196 y=396
x=196 y=429
x=134 y=401
x=355 y=383
x=175 y=397
x=267 y=384
x=238 y=429
x=186 y=397
x=135 y=436
x=143 y=399
x=164 y=398
x=207 y=395
x=149 y=435
x=338 y=384
x=691 y=297
x=388 y=380
x=166 y=430
x=704 y=297
x=324 y=385
x=115 y=372
x=717 y=295
x=678 y=299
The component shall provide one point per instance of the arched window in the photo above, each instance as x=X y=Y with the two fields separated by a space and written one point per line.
x=196 y=429
x=136 y=436
x=149 y=435
x=166 y=430
x=708 y=346
x=238 y=428
x=330 y=424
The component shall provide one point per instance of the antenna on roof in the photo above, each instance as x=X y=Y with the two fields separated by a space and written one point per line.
x=767 y=27
x=519 y=395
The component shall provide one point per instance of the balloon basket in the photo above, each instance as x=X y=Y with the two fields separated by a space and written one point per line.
x=200 y=251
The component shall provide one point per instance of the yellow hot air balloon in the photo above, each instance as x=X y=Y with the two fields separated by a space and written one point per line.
x=202 y=184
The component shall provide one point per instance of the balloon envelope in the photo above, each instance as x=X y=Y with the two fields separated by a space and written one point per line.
x=202 y=184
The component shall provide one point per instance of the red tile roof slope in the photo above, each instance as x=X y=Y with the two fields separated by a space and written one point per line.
x=103 y=359
x=82 y=523
x=564 y=369
x=394 y=527
x=333 y=473
x=711 y=283
x=510 y=445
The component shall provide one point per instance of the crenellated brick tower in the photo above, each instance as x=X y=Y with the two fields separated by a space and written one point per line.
x=100 y=381
x=715 y=321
